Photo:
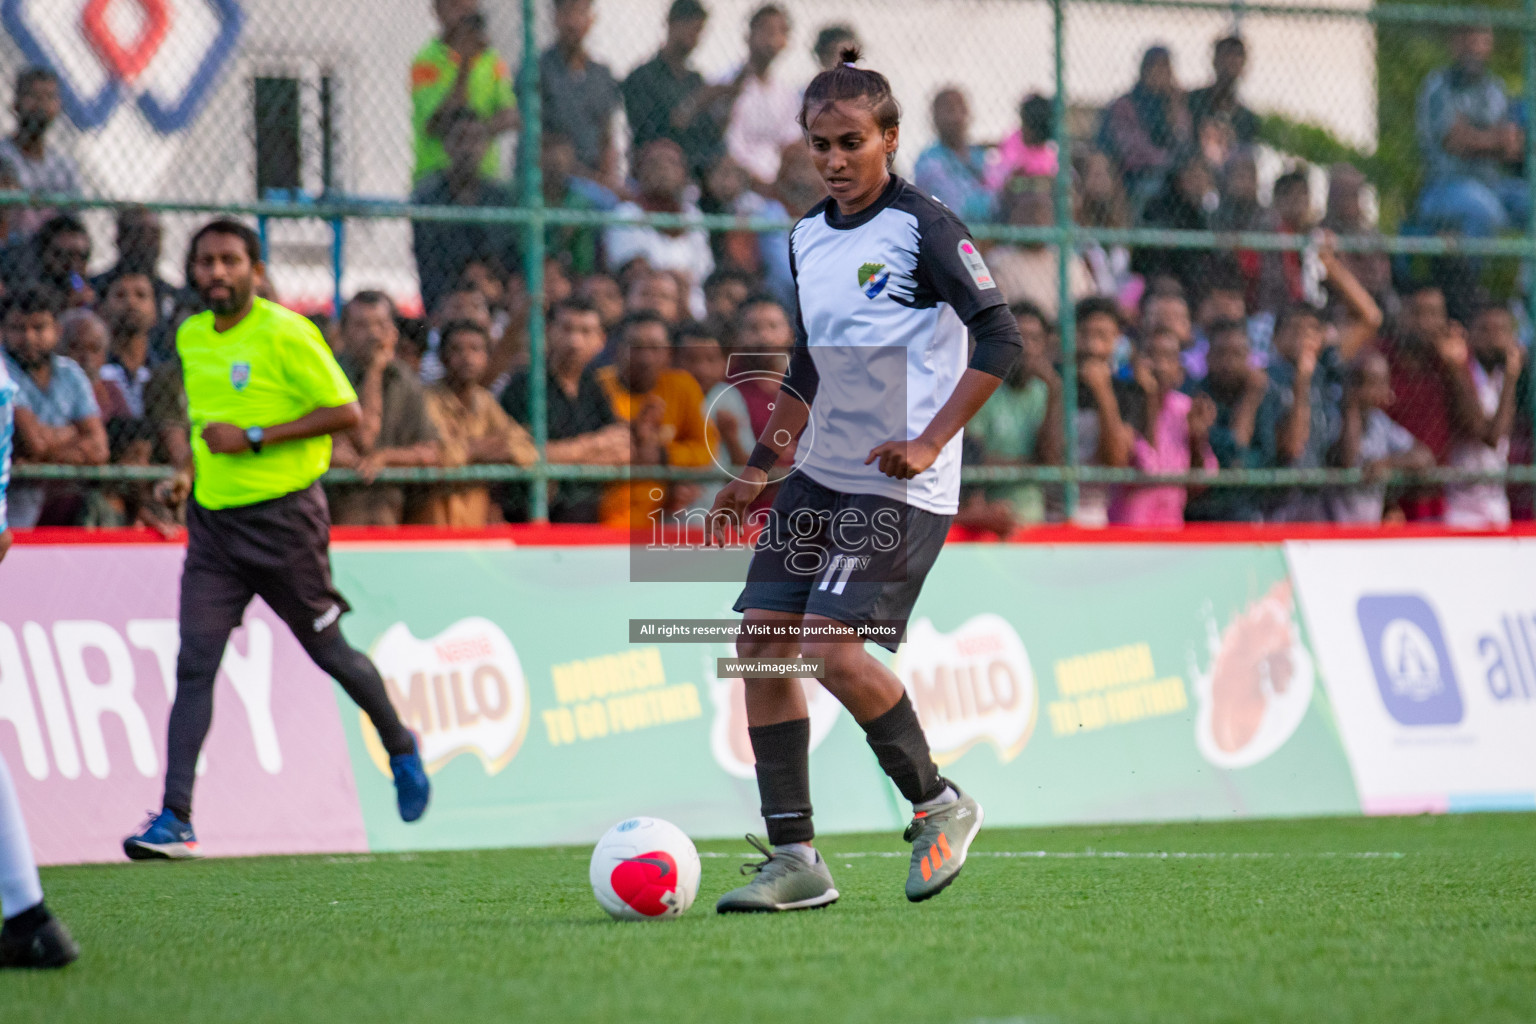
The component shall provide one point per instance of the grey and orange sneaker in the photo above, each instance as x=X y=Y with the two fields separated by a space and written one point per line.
x=782 y=882
x=940 y=840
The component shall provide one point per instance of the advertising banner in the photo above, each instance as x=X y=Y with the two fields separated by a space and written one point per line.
x=1059 y=684
x=1429 y=652
x=1066 y=683
x=88 y=643
x=543 y=724
x=1167 y=681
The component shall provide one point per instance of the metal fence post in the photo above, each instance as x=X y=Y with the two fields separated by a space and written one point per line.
x=338 y=262
x=533 y=262
x=1066 y=251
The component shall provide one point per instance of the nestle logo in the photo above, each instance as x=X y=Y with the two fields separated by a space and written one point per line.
x=1413 y=667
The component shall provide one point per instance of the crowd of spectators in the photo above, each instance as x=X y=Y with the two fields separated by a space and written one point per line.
x=666 y=345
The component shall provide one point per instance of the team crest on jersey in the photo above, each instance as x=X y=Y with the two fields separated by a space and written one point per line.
x=975 y=265
x=873 y=278
x=240 y=375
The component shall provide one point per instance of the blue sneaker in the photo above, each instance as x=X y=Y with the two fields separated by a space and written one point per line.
x=412 y=787
x=163 y=837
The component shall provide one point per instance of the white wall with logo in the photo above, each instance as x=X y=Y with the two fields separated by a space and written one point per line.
x=997 y=50
x=1428 y=650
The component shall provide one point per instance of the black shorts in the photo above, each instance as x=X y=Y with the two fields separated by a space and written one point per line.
x=859 y=559
x=278 y=550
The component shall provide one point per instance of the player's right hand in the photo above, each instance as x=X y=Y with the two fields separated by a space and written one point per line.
x=730 y=507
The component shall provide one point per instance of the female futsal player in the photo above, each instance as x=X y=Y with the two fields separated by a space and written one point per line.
x=888 y=285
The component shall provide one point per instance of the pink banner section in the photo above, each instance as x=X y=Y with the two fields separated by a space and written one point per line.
x=88 y=644
x=1429 y=803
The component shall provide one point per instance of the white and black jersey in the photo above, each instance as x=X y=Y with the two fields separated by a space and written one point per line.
x=885 y=299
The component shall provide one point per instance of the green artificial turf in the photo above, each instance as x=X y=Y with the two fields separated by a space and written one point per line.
x=1282 y=921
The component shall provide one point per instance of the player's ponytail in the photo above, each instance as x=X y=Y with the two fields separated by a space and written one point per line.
x=846 y=81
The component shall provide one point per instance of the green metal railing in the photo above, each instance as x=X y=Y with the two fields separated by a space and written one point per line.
x=533 y=216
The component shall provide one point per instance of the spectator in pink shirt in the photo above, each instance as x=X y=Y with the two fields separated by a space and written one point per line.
x=1030 y=151
x=1172 y=434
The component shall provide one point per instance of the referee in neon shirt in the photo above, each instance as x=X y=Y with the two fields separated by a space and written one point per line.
x=264 y=396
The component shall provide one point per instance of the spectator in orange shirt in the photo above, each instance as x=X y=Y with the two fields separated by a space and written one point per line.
x=471 y=427
x=456 y=70
x=665 y=410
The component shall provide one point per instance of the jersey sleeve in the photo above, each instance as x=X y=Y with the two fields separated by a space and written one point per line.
x=313 y=371
x=802 y=379
x=998 y=342
x=951 y=266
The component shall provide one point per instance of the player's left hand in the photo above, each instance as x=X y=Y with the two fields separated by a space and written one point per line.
x=903 y=459
x=225 y=438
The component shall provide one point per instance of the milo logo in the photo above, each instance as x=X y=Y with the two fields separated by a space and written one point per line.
x=462 y=691
x=971 y=685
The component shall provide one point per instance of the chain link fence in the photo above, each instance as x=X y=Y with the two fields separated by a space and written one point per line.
x=1241 y=189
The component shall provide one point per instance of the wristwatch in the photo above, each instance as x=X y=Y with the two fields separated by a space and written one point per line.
x=253 y=437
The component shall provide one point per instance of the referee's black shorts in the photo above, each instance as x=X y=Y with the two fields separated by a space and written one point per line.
x=858 y=559
x=278 y=550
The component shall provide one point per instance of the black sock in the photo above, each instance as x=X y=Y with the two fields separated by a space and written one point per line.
x=897 y=739
x=183 y=814
x=783 y=754
x=358 y=676
x=28 y=921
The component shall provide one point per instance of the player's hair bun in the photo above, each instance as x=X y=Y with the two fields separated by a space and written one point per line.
x=847 y=81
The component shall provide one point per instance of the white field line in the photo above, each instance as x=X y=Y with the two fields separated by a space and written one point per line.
x=1104 y=855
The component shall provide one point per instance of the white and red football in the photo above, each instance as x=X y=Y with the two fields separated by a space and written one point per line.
x=645 y=869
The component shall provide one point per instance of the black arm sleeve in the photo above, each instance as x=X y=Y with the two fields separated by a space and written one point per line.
x=998 y=343
x=802 y=380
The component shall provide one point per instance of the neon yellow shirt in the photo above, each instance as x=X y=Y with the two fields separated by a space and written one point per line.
x=272 y=367
x=488 y=93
